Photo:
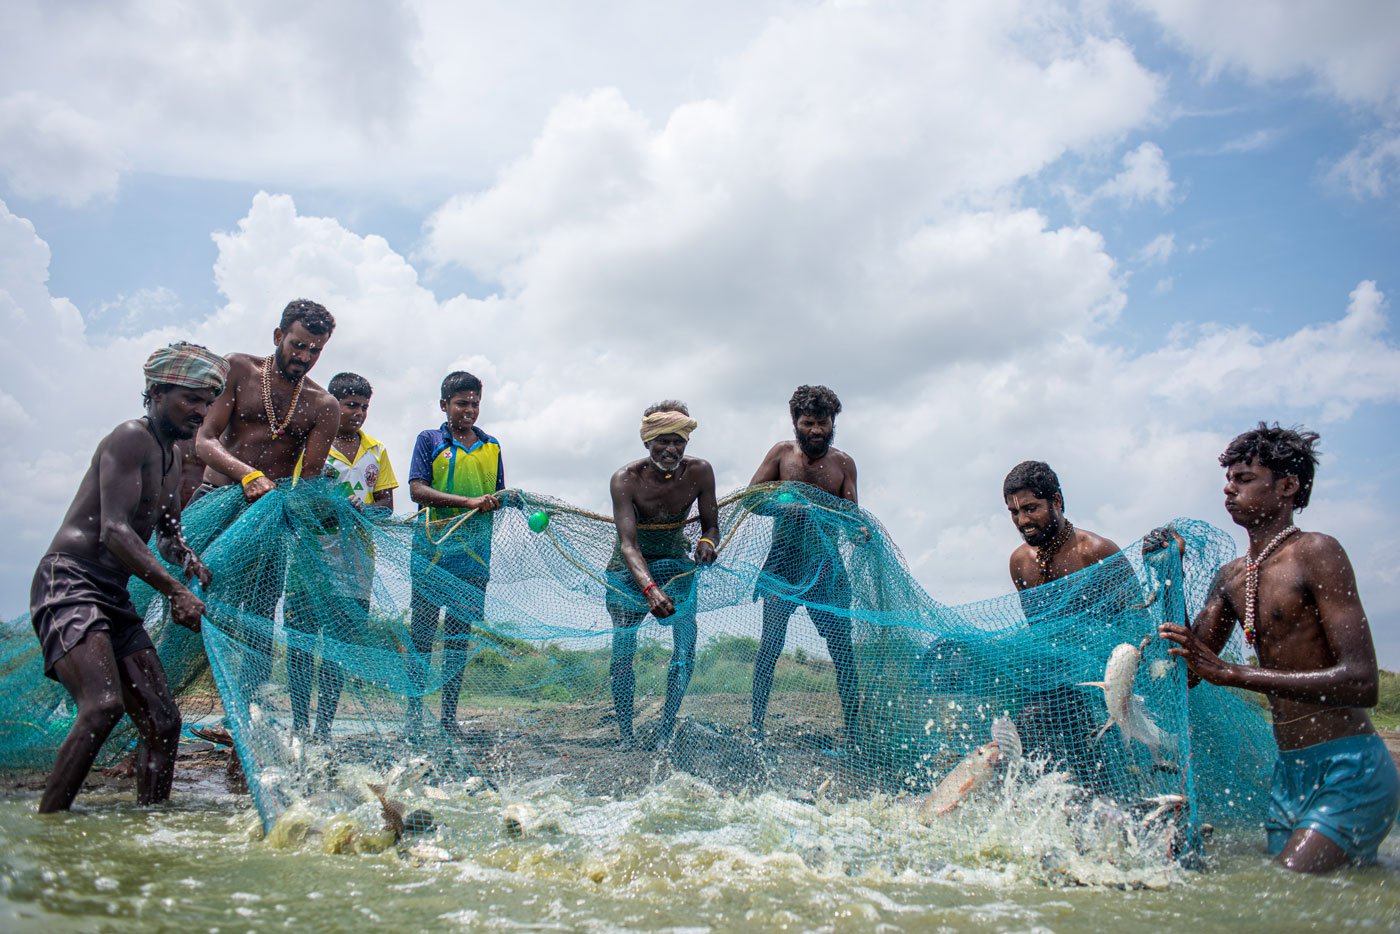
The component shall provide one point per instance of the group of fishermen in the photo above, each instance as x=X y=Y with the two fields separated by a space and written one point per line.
x=256 y=420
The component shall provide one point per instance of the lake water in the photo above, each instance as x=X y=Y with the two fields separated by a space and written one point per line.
x=676 y=858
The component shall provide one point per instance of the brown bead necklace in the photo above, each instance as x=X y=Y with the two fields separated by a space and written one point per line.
x=277 y=430
x=1251 y=582
x=1046 y=554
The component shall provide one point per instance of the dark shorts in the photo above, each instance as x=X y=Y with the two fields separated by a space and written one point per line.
x=1346 y=789
x=804 y=568
x=451 y=578
x=72 y=597
x=624 y=597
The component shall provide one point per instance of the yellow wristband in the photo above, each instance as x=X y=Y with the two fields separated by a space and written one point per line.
x=250 y=477
x=708 y=542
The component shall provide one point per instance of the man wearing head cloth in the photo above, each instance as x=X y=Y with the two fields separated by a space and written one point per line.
x=651 y=568
x=93 y=641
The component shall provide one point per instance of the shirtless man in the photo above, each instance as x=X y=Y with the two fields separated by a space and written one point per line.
x=801 y=556
x=270 y=416
x=651 y=569
x=1335 y=788
x=93 y=641
x=1053 y=547
x=1060 y=720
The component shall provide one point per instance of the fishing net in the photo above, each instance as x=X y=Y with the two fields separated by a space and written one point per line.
x=498 y=673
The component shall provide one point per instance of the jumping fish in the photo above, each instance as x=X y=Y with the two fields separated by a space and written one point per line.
x=1008 y=740
x=1126 y=709
x=518 y=820
x=966 y=777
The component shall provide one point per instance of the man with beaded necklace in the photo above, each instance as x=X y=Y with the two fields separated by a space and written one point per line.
x=1060 y=721
x=1053 y=547
x=1336 y=790
x=270 y=415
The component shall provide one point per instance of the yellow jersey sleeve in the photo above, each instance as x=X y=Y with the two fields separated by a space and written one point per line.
x=386 y=479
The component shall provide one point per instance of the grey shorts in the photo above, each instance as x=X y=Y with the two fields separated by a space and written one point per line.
x=72 y=597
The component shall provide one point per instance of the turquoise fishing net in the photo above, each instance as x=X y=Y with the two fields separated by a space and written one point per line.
x=877 y=693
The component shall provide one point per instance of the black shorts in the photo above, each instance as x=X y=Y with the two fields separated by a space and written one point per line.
x=674 y=574
x=806 y=569
x=71 y=597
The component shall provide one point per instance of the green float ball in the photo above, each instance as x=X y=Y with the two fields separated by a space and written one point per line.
x=539 y=521
x=786 y=497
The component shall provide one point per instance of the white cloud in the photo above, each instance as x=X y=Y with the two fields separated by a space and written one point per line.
x=1146 y=176
x=1372 y=169
x=1158 y=250
x=1134 y=435
x=48 y=149
x=141 y=311
x=1349 y=47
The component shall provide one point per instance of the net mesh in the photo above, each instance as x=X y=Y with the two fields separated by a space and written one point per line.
x=471 y=676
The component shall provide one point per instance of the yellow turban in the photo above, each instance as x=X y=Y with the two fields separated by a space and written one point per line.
x=667 y=423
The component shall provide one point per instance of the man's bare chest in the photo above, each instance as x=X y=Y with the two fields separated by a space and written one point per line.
x=824 y=474
x=274 y=412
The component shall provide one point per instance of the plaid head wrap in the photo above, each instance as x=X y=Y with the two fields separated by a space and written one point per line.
x=667 y=423
x=187 y=365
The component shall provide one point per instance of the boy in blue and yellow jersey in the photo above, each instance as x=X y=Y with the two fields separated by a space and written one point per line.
x=359 y=465
x=456 y=468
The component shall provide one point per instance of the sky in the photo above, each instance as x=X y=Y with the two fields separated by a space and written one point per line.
x=1109 y=235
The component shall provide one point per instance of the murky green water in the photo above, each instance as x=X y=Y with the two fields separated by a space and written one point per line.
x=683 y=863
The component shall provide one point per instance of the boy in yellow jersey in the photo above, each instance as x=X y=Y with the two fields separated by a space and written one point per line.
x=456 y=468
x=359 y=465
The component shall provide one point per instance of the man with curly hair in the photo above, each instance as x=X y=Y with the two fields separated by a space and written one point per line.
x=805 y=560
x=1336 y=791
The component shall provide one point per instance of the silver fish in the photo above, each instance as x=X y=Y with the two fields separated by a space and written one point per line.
x=1126 y=709
x=965 y=778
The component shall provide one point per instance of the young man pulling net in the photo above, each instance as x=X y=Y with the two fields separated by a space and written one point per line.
x=1336 y=791
x=658 y=490
x=271 y=418
x=329 y=590
x=93 y=641
x=803 y=554
x=456 y=469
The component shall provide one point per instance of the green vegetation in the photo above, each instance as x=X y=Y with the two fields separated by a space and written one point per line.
x=723 y=665
x=1386 y=715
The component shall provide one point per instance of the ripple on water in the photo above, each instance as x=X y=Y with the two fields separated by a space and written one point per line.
x=678 y=857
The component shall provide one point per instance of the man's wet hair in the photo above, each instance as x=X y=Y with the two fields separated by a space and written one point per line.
x=667 y=405
x=1287 y=452
x=349 y=384
x=150 y=390
x=459 y=381
x=315 y=318
x=1036 y=478
x=816 y=401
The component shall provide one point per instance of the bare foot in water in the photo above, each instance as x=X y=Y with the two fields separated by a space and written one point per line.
x=123 y=769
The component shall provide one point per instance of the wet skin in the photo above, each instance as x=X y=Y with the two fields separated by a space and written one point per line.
x=811 y=459
x=1317 y=663
x=658 y=489
x=236 y=438
x=131 y=490
x=1039 y=521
